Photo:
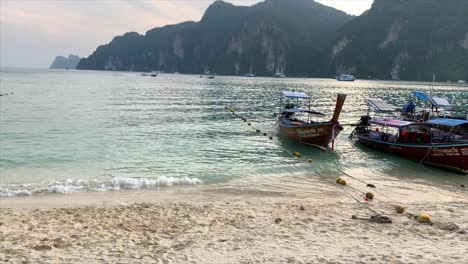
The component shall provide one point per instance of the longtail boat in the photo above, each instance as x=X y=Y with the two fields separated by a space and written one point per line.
x=297 y=123
x=438 y=142
x=433 y=107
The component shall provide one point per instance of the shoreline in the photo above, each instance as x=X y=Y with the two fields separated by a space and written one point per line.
x=219 y=224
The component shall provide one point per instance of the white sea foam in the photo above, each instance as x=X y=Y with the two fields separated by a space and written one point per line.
x=58 y=188
x=147 y=183
x=100 y=185
x=12 y=193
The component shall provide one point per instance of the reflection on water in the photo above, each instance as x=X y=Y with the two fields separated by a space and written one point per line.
x=87 y=128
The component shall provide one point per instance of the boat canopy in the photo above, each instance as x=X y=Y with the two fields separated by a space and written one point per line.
x=300 y=110
x=439 y=101
x=421 y=95
x=447 y=122
x=434 y=100
x=390 y=122
x=380 y=105
x=295 y=95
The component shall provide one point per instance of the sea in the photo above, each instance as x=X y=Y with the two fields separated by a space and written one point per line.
x=67 y=131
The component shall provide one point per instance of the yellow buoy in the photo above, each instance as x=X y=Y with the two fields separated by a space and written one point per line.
x=399 y=209
x=369 y=195
x=310 y=161
x=341 y=181
x=297 y=154
x=424 y=218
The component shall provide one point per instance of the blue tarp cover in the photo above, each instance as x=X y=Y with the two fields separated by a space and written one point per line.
x=298 y=95
x=421 y=95
x=409 y=108
x=434 y=100
x=447 y=122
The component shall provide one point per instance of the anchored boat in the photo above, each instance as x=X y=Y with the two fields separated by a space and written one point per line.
x=434 y=107
x=279 y=74
x=345 y=78
x=298 y=124
x=207 y=75
x=152 y=74
x=438 y=142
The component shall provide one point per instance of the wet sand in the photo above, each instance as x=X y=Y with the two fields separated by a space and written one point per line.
x=220 y=224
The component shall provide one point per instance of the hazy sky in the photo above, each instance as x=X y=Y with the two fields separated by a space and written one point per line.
x=33 y=32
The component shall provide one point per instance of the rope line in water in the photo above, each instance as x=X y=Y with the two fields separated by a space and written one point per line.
x=295 y=153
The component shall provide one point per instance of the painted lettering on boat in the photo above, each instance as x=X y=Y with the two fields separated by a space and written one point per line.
x=464 y=151
x=310 y=132
x=395 y=147
x=445 y=152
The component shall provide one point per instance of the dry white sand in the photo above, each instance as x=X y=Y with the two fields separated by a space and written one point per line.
x=221 y=225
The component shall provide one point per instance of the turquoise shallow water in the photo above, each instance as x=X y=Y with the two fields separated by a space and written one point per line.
x=66 y=131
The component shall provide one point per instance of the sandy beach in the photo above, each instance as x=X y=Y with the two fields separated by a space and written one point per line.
x=216 y=224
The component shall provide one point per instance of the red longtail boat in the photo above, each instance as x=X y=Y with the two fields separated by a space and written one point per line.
x=440 y=142
x=297 y=124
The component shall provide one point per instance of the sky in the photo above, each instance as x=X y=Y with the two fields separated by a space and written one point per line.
x=33 y=32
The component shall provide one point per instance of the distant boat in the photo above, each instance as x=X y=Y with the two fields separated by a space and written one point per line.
x=207 y=75
x=250 y=74
x=345 y=78
x=152 y=74
x=279 y=75
x=461 y=82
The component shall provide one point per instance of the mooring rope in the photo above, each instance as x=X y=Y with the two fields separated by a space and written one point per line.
x=398 y=208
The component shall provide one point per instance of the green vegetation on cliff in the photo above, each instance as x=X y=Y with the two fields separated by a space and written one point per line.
x=398 y=39
x=406 y=39
x=275 y=35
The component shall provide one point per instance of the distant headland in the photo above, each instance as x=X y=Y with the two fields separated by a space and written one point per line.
x=61 y=62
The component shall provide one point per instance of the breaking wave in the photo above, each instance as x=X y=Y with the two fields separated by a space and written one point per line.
x=116 y=183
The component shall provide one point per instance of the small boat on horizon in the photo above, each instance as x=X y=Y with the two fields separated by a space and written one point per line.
x=437 y=142
x=152 y=74
x=296 y=123
x=249 y=75
x=345 y=78
x=207 y=75
x=279 y=74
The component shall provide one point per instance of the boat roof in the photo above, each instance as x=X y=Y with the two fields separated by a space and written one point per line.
x=390 y=122
x=439 y=101
x=447 y=122
x=380 y=105
x=300 y=110
x=434 y=100
x=298 y=95
x=421 y=95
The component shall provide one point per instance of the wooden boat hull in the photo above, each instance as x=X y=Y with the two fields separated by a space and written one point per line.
x=316 y=134
x=449 y=156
